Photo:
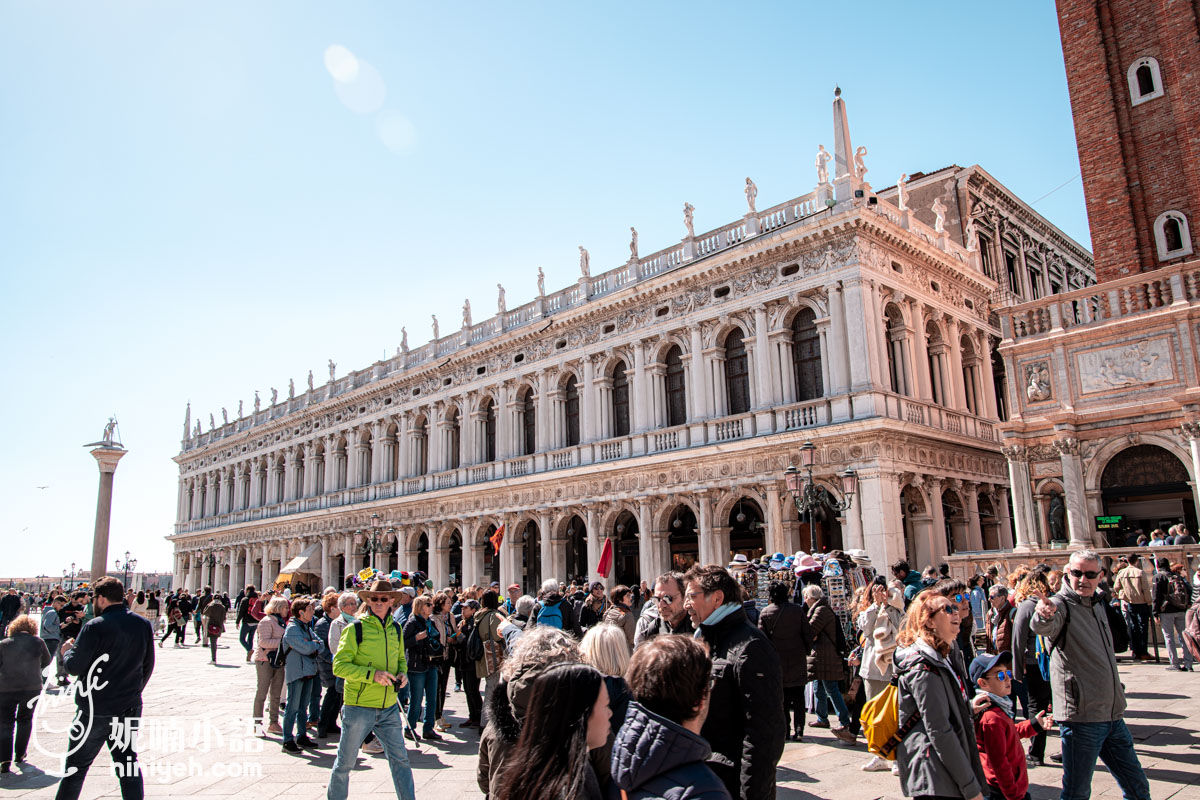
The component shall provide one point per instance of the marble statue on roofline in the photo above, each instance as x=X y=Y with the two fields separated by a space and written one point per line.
x=403 y=339
x=224 y=416
x=332 y=370
x=212 y=423
x=541 y=283
x=239 y=409
x=939 y=215
x=633 y=245
x=822 y=164
x=585 y=262
x=291 y=388
x=902 y=192
x=310 y=380
x=435 y=326
x=751 y=194
x=274 y=395
x=466 y=314
x=257 y=402
x=688 y=211
x=860 y=169
x=501 y=306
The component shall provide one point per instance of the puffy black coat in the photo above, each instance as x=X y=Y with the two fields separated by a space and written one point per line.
x=656 y=759
x=824 y=664
x=745 y=725
x=417 y=652
x=788 y=629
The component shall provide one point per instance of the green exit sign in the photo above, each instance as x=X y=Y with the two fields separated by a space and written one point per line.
x=1110 y=523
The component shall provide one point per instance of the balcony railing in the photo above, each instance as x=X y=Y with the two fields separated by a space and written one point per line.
x=1137 y=295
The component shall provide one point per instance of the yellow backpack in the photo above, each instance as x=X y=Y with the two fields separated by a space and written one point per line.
x=880 y=720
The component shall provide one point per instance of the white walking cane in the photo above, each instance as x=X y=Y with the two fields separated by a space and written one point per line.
x=404 y=722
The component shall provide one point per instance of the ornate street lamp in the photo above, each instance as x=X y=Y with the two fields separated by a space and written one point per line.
x=808 y=496
x=130 y=564
x=69 y=578
x=212 y=560
x=371 y=541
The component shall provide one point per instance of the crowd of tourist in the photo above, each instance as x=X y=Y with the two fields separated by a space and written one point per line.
x=594 y=692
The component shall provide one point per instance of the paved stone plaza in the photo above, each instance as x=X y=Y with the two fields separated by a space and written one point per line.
x=194 y=742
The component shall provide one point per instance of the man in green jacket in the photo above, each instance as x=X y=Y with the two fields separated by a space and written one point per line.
x=370 y=659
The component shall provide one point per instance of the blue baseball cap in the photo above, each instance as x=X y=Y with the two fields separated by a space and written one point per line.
x=980 y=665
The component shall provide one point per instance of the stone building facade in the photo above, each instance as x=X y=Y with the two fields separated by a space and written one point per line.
x=1104 y=381
x=656 y=405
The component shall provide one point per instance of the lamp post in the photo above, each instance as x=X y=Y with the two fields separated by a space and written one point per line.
x=808 y=496
x=371 y=541
x=130 y=564
x=69 y=578
x=212 y=559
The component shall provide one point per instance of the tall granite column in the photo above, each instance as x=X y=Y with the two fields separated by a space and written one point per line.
x=106 y=457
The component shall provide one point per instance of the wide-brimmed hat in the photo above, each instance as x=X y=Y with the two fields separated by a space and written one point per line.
x=740 y=562
x=805 y=563
x=379 y=587
x=859 y=557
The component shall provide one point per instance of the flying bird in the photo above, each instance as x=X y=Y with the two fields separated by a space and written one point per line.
x=43 y=487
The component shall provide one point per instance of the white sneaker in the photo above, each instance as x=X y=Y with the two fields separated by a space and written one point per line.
x=373 y=747
x=895 y=767
x=876 y=764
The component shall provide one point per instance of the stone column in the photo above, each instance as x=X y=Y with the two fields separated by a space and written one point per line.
x=1024 y=525
x=990 y=406
x=957 y=378
x=970 y=495
x=924 y=381
x=879 y=493
x=177 y=571
x=439 y=560
x=937 y=525
x=783 y=376
x=106 y=457
x=717 y=400
x=708 y=553
x=775 y=539
x=231 y=570
x=699 y=409
x=593 y=542
x=588 y=422
x=1072 y=470
x=646 y=554
x=854 y=526
x=1004 y=518
x=502 y=422
x=641 y=391
x=326 y=572
x=1191 y=431
x=546 y=549
x=762 y=361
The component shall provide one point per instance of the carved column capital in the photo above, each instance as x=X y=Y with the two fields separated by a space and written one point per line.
x=1066 y=446
x=1016 y=452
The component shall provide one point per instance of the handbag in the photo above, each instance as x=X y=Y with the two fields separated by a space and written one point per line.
x=214 y=629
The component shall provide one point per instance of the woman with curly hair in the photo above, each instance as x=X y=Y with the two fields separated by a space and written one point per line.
x=23 y=656
x=1033 y=685
x=938 y=757
x=568 y=715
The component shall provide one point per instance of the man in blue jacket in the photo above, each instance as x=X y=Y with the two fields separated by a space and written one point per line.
x=115 y=654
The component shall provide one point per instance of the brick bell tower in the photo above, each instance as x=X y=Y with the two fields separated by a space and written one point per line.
x=1133 y=71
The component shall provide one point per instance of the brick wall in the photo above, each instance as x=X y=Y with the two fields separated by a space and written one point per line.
x=1137 y=161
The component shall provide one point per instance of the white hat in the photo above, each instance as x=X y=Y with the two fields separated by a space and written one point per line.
x=739 y=562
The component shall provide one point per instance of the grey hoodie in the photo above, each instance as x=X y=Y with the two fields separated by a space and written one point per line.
x=1084 y=658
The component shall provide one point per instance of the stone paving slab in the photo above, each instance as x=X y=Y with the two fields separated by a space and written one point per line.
x=196 y=742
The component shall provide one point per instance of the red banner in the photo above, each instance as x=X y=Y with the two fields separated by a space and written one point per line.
x=497 y=538
x=606 y=558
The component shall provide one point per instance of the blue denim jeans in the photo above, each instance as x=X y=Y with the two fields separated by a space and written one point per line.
x=246 y=636
x=357 y=722
x=1082 y=742
x=830 y=691
x=424 y=693
x=298 y=693
x=314 y=701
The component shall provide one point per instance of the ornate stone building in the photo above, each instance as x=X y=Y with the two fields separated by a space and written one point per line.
x=656 y=404
x=1106 y=409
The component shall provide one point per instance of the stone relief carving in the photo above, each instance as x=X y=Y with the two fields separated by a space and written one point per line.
x=1037 y=382
x=1108 y=368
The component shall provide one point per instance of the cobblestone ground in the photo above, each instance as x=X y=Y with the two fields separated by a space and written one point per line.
x=195 y=742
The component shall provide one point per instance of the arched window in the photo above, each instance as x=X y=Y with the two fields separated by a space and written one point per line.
x=676 y=388
x=1145 y=80
x=1172 y=236
x=421 y=446
x=529 y=422
x=489 y=430
x=620 y=400
x=806 y=356
x=571 y=395
x=737 y=372
x=897 y=344
x=453 y=438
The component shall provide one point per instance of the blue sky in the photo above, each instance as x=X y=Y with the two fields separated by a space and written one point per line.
x=192 y=207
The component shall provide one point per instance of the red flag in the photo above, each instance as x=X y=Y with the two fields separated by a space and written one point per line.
x=606 y=559
x=497 y=538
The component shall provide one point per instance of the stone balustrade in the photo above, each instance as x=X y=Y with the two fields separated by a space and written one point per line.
x=1145 y=293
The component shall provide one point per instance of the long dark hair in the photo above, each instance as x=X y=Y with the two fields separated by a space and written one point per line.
x=550 y=759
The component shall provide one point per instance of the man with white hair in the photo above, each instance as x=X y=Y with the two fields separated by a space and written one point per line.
x=1075 y=623
x=553 y=611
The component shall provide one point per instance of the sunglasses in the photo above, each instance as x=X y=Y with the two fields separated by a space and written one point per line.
x=384 y=599
x=1005 y=674
x=665 y=599
x=958 y=598
x=947 y=610
x=1090 y=574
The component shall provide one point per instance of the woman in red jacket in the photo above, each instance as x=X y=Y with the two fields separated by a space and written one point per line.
x=998 y=736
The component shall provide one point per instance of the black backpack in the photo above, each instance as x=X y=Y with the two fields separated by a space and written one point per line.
x=474 y=645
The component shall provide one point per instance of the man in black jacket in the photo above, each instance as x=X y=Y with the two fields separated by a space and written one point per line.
x=746 y=725
x=115 y=655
